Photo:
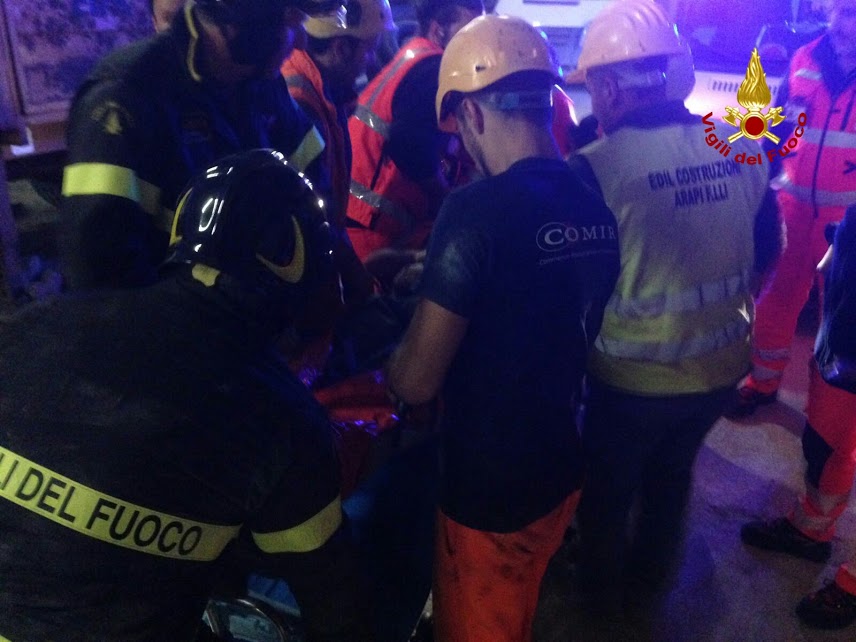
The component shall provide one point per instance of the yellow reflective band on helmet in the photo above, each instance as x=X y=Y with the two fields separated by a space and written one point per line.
x=205 y=274
x=305 y=537
x=96 y=179
x=293 y=272
x=309 y=149
x=174 y=236
x=106 y=518
x=2 y=639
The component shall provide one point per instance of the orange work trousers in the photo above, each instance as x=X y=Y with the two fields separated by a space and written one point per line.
x=829 y=447
x=779 y=306
x=486 y=584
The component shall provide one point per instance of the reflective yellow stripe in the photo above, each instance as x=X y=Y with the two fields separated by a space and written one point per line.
x=93 y=179
x=304 y=537
x=2 y=639
x=673 y=351
x=689 y=300
x=104 y=517
x=205 y=274
x=174 y=236
x=194 y=41
x=309 y=149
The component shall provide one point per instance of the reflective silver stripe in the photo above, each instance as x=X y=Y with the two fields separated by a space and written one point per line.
x=671 y=352
x=688 y=300
x=408 y=55
x=845 y=140
x=372 y=120
x=808 y=74
x=760 y=373
x=808 y=523
x=773 y=355
x=830 y=507
x=299 y=82
x=382 y=204
x=821 y=197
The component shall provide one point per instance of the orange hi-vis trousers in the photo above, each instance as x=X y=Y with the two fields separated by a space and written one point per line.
x=486 y=585
x=829 y=447
x=779 y=306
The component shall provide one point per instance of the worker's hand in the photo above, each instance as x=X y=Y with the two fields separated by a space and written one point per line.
x=407 y=280
x=385 y=264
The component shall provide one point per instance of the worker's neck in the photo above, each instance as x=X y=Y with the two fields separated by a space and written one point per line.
x=519 y=142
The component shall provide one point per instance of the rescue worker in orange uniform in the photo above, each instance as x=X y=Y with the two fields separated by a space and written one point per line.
x=817 y=182
x=397 y=180
x=520 y=266
x=321 y=78
x=829 y=442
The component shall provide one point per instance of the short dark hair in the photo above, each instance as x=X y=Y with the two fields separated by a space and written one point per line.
x=445 y=12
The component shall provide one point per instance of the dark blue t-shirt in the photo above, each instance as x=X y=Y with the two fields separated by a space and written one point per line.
x=530 y=257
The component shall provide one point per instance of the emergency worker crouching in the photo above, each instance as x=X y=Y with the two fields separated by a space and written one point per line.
x=676 y=335
x=174 y=429
x=153 y=114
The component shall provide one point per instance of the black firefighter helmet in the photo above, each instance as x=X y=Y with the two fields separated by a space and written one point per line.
x=259 y=23
x=256 y=219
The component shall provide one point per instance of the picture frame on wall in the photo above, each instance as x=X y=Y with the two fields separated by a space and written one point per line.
x=55 y=43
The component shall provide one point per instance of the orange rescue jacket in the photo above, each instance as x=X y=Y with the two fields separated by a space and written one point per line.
x=382 y=199
x=306 y=86
x=821 y=171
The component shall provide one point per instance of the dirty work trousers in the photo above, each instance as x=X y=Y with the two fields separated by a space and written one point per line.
x=636 y=449
x=486 y=585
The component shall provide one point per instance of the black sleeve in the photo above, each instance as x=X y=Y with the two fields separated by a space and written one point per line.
x=840 y=293
x=415 y=141
x=458 y=260
x=835 y=348
x=768 y=233
x=330 y=589
x=296 y=136
x=111 y=233
x=583 y=169
x=302 y=533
